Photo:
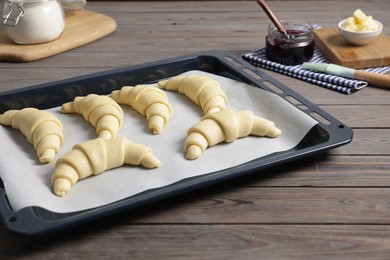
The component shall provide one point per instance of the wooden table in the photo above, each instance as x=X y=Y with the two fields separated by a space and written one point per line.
x=331 y=206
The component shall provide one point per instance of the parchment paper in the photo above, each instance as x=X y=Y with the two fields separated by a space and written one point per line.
x=27 y=182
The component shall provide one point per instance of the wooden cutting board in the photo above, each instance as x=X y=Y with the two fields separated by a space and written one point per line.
x=338 y=51
x=81 y=27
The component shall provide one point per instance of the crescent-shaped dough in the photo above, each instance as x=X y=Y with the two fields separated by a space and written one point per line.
x=96 y=156
x=149 y=101
x=225 y=126
x=41 y=128
x=101 y=111
x=205 y=91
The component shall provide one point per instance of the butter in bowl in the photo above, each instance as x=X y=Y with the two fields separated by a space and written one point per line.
x=360 y=29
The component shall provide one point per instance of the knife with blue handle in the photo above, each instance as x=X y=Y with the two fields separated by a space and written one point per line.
x=381 y=80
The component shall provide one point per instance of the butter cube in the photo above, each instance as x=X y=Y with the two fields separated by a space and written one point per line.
x=350 y=24
x=370 y=23
x=359 y=16
x=360 y=22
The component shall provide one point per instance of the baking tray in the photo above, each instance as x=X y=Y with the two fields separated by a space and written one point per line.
x=35 y=221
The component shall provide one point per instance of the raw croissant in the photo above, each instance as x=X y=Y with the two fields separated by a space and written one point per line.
x=205 y=91
x=101 y=111
x=225 y=126
x=96 y=156
x=149 y=101
x=42 y=129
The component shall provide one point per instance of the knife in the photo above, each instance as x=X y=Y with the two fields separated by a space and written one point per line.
x=380 y=80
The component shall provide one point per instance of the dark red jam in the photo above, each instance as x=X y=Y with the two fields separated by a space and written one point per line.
x=293 y=51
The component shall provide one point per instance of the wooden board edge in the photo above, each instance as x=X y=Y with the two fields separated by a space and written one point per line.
x=56 y=47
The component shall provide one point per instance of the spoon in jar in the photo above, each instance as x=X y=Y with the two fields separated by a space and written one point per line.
x=273 y=17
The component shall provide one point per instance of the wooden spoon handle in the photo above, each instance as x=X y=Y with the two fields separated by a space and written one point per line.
x=272 y=16
x=381 y=80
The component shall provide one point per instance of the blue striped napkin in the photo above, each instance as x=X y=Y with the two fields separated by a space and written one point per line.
x=336 y=83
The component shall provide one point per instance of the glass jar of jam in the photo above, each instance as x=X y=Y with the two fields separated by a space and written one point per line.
x=293 y=48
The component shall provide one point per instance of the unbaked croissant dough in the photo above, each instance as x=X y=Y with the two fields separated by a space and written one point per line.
x=96 y=156
x=42 y=129
x=101 y=111
x=205 y=91
x=149 y=101
x=225 y=126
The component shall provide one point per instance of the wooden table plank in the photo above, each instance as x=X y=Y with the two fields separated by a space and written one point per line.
x=367 y=142
x=273 y=205
x=324 y=170
x=214 y=241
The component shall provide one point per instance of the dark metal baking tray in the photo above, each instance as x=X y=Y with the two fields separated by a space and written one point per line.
x=34 y=221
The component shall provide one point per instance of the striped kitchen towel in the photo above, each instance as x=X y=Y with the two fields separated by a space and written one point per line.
x=336 y=83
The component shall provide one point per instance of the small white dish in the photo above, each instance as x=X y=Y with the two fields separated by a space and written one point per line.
x=359 y=38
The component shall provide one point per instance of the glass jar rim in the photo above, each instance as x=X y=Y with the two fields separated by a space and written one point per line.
x=299 y=29
x=291 y=23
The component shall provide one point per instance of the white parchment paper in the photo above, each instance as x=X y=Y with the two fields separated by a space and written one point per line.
x=27 y=182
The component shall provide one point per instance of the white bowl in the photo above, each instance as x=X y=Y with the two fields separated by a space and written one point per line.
x=359 y=38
